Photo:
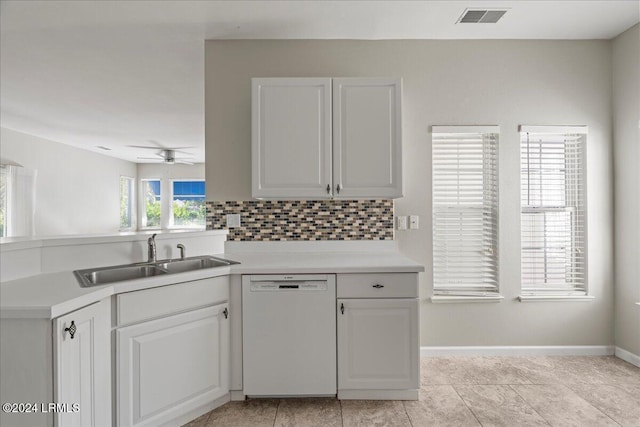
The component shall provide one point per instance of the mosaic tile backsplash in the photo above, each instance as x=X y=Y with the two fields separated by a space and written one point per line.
x=272 y=220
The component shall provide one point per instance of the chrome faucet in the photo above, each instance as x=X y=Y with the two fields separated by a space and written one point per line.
x=152 y=248
x=182 y=250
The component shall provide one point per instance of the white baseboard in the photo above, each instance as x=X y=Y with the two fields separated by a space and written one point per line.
x=627 y=356
x=237 y=395
x=568 y=350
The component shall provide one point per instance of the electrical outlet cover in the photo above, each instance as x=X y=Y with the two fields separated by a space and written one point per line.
x=413 y=222
x=401 y=222
x=233 y=220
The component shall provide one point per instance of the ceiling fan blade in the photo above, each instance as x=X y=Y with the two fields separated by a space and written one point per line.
x=143 y=146
x=158 y=147
x=149 y=158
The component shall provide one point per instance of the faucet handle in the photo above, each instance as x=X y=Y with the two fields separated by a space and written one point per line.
x=182 y=250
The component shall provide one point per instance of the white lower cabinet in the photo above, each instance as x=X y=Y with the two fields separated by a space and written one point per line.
x=378 y=339
x=171 y=366
x=82 y=366
x=60 y=365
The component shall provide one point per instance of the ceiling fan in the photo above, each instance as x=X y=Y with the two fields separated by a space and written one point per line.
x=166 y=155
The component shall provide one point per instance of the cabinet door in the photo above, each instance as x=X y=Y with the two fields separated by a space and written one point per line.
x=170 y=366
x=367 y=137
x=291 y=137
x=82 y=361
x=378 y=344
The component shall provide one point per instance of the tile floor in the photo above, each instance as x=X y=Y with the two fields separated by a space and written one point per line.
x=470 y=391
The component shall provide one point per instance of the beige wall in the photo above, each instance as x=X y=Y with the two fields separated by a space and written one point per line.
x=449 y=82
x=77 y=191
x=626 y=114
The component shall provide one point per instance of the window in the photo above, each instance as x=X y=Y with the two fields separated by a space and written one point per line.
x=553 y=217
x=151 y=206
x=17 y=200
x=188 y=204
x=465 y=211
x=126 y=203
x=4 y=190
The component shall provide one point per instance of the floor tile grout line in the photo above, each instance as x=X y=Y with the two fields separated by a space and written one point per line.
x=341 y=414
x=405 y=411
x=466 y=404
x=589 y=403
x=275 y=417
x=209 y=414
x=528 y=403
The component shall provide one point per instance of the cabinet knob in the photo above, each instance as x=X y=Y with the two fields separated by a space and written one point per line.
x=342 y=308
x=71 y=329
x=378 y=286
x=225 y=312
x=328 y=189
x=338 y=189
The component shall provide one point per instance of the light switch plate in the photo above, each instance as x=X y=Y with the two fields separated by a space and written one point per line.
x=233 y=220
x=413 y=222
x=401 y=222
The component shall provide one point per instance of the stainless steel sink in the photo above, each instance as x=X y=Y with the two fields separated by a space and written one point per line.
x=105 y=275
x=101 y=276
x=194 y=263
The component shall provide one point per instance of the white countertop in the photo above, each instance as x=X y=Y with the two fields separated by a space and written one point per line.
x=54 y=294
x=321 y=262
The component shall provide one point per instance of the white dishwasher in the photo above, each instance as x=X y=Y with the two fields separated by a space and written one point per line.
x=289 y=335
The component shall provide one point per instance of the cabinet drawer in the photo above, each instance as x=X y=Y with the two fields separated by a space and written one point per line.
x=157 y=302
x=378 y=285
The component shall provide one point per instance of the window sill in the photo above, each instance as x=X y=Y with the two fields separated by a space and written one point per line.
x=448 y=299
x=549 y=298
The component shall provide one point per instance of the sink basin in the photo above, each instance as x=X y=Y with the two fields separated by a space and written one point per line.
x=195 y=263
x=93 y=277
x=105 y=275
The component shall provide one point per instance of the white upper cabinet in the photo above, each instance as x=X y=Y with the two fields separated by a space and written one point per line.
x=326 y=138
x=367 y=135
x=291 y=138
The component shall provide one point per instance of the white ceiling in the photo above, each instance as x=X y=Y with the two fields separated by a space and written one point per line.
x=117 y=73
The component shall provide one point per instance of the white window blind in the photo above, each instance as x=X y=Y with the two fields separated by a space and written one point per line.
x=465 y=210
x=553 y=217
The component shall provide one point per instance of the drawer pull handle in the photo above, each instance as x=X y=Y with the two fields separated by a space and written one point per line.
x=71 y=329
x=378 y=286
x=225 y=312
x=342 y=308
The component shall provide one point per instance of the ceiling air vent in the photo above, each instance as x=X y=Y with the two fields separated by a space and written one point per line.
x=484 y=16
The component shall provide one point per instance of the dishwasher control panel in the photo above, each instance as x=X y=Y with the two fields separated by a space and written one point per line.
x=306 y=282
